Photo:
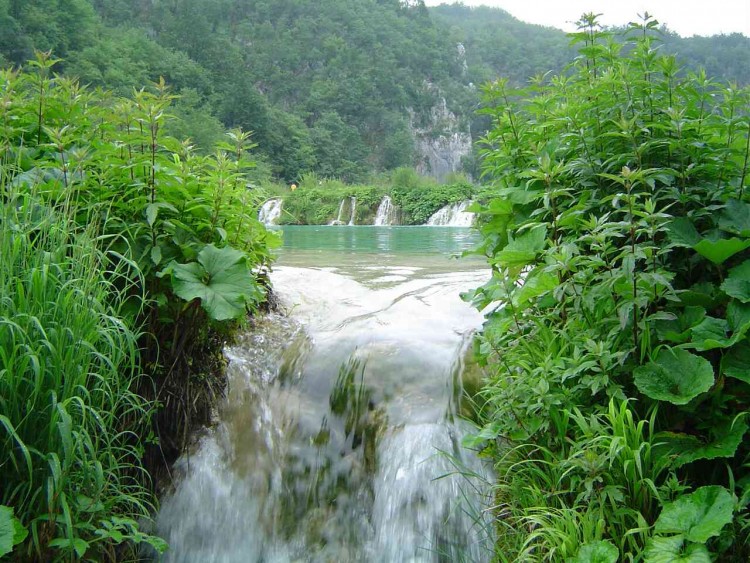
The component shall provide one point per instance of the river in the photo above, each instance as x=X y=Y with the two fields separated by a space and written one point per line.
x=338 y=439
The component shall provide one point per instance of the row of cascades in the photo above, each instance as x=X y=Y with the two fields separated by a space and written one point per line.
x=453 y=215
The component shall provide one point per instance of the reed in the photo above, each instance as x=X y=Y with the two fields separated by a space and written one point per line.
x=69 y=419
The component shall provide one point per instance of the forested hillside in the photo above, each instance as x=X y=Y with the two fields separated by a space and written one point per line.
x=344 y=88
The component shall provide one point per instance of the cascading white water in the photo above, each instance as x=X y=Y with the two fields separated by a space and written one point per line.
x=386 y=214
x=270 y=212
x=347 y=208
x=337 y=220
x=353 y=216
x=454 y=215
x=338 y=438
x=419 y=513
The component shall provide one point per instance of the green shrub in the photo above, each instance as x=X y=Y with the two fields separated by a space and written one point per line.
x=125 y=260
x=618 y=368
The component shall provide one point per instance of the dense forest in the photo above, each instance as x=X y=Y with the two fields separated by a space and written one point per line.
x=341 y=88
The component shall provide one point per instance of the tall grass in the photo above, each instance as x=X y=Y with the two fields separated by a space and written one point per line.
x=69 y=420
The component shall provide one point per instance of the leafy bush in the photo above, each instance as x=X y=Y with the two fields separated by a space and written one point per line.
x=122 y=253
x=317 y=201
x=419 y=204
x=618 y=366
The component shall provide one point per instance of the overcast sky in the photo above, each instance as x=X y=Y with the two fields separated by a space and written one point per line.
x=686 y=17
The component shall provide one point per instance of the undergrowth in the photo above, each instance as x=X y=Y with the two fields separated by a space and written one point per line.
x=617 y=314
x=126 y=260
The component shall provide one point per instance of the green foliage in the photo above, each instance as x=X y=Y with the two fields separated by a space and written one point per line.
x=12 y=531
x=597 y=552
x=332 y=86
x=221 y=279
x=419 y=202
x=70 y=419
x=697 y=516
x=317 y=201
x=97 y=204
x=676 y=376
x=617 y=316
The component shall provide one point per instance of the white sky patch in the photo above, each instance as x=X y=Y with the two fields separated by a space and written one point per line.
x=686 y=17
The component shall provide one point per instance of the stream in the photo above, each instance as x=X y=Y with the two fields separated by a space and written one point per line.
x=339 y=439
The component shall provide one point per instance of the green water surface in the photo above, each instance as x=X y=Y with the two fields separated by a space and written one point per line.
x=350 y=246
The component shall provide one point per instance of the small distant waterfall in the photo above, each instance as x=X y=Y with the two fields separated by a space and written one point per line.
x=337 y=220
x=354 y=211
x=347 y=208
x=386 y=214
x=270 y=212
x=454 y=215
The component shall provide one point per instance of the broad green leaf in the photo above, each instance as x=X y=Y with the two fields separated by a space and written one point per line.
x=602 y=551
x=702 y=294
x=685 y=448
x=709 y=334
x=523 y=249
x=670 y=550
x=534 y=286
x=7 y=530
x=220 y=279
x=735 y=218
x=214 y=260
x=737 y=284
x=697 y=516
x=682 y=232
x=736 y=362
x=719 y=251
x=678 y=330
x=676 y=376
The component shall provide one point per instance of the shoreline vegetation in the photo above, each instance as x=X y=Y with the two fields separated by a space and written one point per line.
x=415 y=198
x=618 y=390
x=127 y=261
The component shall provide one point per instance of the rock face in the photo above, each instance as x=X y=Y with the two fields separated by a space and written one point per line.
x=442 y=144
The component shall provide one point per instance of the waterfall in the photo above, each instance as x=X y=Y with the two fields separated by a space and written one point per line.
x=339 y=438
x=343 y=208
x=337 y=220
x=386 y=214
x=354 y=210
x=270 y=211
x=413 y=508
x=454 y=215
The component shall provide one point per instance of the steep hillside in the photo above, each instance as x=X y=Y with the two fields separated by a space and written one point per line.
x=343 y=88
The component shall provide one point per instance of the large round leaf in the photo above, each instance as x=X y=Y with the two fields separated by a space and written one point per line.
x=697 y=516
x=719 y=251
x=11 y=530
x=676 y=376
x=602 y=551
x=737 y=284
x=220 y=279
x=674 y=550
